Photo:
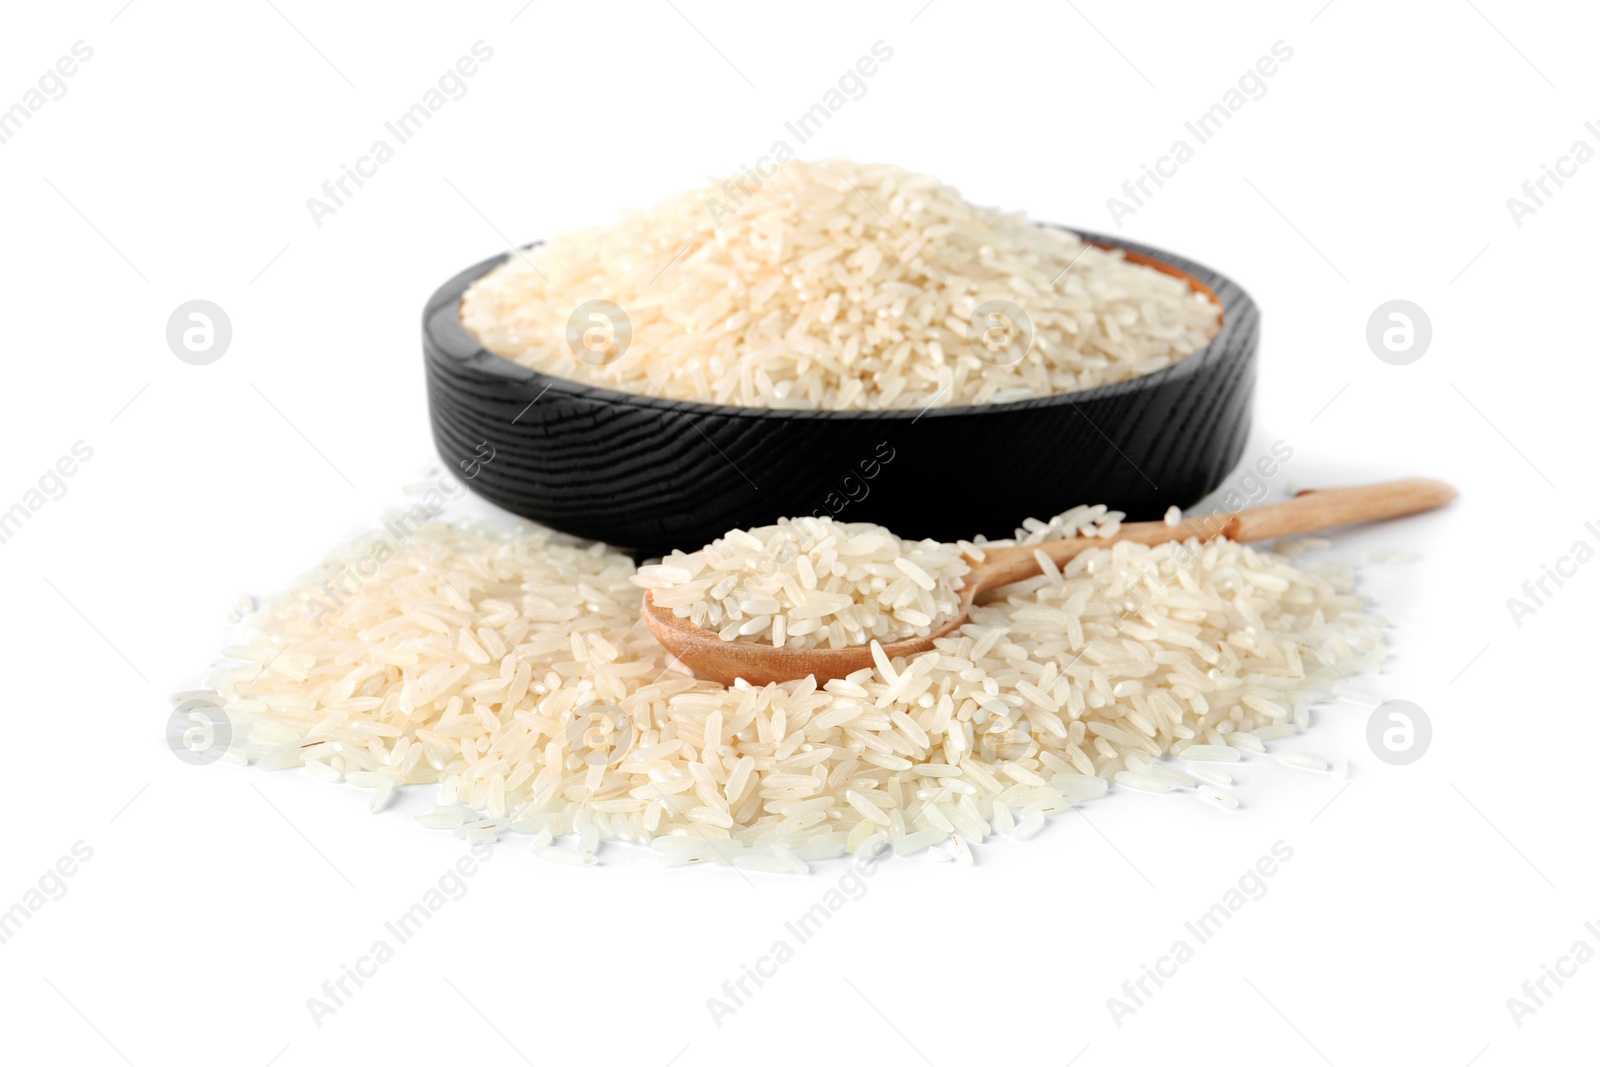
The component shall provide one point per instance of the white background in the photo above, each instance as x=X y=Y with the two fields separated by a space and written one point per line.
x=217 y=900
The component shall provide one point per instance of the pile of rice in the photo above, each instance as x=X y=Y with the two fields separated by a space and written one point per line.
x=811 y=582
x=509 y=665
x=838 y=286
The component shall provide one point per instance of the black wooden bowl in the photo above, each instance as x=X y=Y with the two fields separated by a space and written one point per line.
x=651 y=474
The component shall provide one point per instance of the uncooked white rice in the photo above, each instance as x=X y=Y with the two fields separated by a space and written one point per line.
x=509 y=665
x=837 y=286
x=1085 y=520
x=810 y=582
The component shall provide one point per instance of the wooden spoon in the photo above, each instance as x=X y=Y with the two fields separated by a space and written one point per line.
x=712 y=658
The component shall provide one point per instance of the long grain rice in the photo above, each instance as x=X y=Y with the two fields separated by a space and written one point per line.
x=836 y=286
x=581 y=729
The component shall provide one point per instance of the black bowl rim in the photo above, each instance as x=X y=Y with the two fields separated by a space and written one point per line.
x=448 y=336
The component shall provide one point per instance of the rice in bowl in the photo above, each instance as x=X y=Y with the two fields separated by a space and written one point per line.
x=836 y=286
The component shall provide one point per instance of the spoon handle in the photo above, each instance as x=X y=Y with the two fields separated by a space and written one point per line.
x=1324 y=509
x=1309 y=511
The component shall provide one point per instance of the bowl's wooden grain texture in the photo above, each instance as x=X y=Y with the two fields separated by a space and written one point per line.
x=652 y=474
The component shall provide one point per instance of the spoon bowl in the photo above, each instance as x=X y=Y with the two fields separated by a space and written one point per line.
x=712 y=658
